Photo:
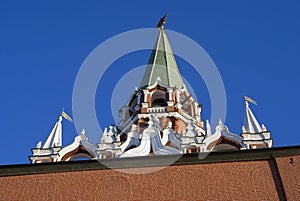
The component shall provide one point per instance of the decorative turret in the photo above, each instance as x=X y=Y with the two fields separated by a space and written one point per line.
x=109 y=145
x=49 y=151
x=254 y=135
x=191 y=141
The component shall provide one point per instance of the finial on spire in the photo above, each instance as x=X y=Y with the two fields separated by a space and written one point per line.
x=208 y=128
x=248 y=99
x=39 y=145
x=66 y=116
x=162 y=21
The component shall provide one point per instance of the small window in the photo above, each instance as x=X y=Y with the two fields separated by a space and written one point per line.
x=159 y=99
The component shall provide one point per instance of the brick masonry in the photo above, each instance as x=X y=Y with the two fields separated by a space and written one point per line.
x=289 y=168
x=240 y=180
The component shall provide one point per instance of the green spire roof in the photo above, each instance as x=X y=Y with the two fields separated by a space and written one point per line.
x=162 y=64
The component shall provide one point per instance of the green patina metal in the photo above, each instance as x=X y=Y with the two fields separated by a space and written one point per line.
x=162 y=65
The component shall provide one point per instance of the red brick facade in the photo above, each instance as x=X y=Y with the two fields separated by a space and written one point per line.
x=240 y=180
x=289 y=168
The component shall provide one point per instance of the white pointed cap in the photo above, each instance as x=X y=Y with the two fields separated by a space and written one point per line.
x=250 y=123
x=208 y=128
x=55 y=137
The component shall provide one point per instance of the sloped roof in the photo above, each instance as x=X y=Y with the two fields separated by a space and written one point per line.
x=162 y=64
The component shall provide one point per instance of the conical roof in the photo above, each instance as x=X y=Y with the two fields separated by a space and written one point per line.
x=250 y=122
x=54 y=139
x=162 y=65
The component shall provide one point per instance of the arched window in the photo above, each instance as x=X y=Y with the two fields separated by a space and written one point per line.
x=80 y=157
x=159 y=99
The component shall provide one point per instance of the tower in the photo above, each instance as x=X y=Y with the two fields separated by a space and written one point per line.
x=162 y=94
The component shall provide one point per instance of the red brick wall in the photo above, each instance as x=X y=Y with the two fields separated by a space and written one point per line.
x=252 y=180
x=290 y=175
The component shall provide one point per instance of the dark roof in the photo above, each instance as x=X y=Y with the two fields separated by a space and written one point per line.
x=148 y=161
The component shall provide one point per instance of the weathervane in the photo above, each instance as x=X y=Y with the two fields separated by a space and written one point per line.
x=162 y=21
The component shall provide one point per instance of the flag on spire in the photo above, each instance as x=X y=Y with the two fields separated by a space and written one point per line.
x=250 y=100
x=66 y=116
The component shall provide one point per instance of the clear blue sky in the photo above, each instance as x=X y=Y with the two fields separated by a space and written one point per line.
x=255 y=45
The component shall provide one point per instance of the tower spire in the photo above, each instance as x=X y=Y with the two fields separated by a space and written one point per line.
x=162 y=64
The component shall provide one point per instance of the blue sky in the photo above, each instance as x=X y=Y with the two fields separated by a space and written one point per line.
x=255 y=45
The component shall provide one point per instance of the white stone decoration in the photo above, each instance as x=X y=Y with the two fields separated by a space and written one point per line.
x=191 y=130
x=170 y=137
x=49 y=151
x=80 y=140
x=110 y=136
x=254 y=136
x=39 y=145
x=263 y=128
x=109 y=145
x=208 y=128
x=222 y=131
x=132 y=139
x=54 y=139
x=251 y=124
x=191 y=138
x=150 y=139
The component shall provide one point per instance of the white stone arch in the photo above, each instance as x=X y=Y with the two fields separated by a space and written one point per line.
x=223 y=136
x=79 y=156
x=80 y=147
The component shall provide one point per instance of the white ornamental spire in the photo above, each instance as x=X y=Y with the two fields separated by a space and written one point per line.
x=251 y=125
x=55 y=137
x=208 y=128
